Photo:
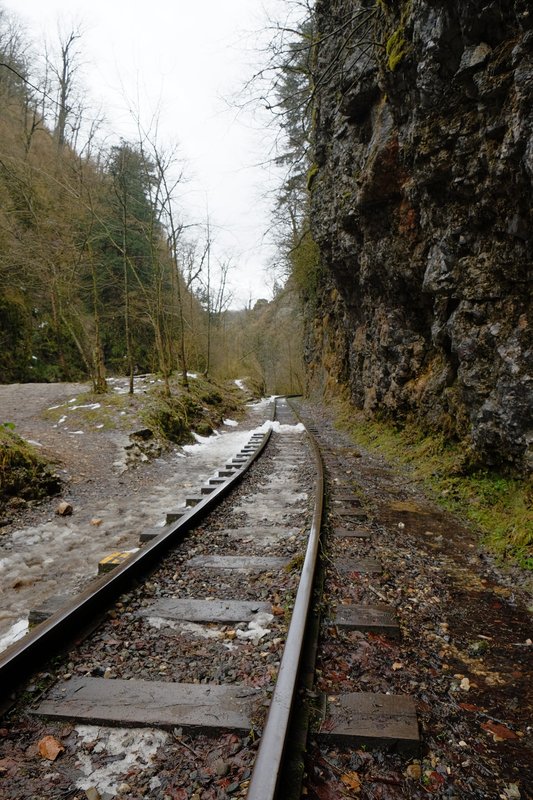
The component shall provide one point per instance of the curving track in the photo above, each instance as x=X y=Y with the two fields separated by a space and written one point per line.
x=199 y=632
x=254 y=649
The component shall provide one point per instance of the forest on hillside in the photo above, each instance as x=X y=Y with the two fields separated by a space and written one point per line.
x=101 y=270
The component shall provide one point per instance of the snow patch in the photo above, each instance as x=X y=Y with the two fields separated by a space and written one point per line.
x=256 y=631
x=128 y=747
x=230 y=422
x=16 y=632
x=277 y=427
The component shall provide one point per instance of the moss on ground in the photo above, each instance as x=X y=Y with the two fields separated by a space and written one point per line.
x=23 y=472
x=499 y=506
x=200 y=409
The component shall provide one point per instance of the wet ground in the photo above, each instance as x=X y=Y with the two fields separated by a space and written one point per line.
x=267 y=514
x=43 y=555
x=464 y=652
x=466 y=640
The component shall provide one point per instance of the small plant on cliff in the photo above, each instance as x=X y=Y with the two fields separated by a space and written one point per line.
x=395 y=42
x=396 y=48
x=305 y=260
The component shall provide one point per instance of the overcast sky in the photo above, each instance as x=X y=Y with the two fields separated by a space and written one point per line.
x=183 y=60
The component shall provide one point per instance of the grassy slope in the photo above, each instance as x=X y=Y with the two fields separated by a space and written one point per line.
x=23 y=472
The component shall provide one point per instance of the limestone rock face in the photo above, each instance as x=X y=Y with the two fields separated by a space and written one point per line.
x=422 y=208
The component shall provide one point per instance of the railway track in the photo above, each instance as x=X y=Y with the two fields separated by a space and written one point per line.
x=203 y=636
x=265 y=644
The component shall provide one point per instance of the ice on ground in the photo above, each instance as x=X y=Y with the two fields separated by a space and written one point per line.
x=125 y=748
x=16 y=632
x=61 y=553
x=277 y=427
x=218 y=441
x=256 y=631
x=186 y=627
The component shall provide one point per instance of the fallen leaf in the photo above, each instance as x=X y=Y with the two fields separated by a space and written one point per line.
x=512 y=792
x=468 y=707
x=278 y=611
x=414 y=771
x=50 y=748
x=500 y=732
x=434 y=780
x=465 y=685
x=397 y=665
x=352 y=781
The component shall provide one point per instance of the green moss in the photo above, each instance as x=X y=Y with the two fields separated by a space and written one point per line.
x=23 y=472
x=305 y=262
x=395 y=42
x=312 y=172
x=498 y=505
x=396 y=48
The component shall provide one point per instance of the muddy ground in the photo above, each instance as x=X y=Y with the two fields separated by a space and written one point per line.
x=465 y=650
x=115 y=489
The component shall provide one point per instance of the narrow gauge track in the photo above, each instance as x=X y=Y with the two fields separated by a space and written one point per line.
x=207 y=642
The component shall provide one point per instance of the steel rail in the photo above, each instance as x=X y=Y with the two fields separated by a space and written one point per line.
x=266 y=774
x=51 y=636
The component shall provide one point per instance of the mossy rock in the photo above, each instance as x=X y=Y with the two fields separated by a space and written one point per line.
x=203 y=429
x=23 y=472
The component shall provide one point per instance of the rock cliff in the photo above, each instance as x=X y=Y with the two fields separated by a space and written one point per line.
x=421 y=207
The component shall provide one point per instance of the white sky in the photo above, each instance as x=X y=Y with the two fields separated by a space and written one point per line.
x=182 y=58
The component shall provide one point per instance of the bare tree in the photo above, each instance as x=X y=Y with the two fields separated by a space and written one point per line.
x=64 y=74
